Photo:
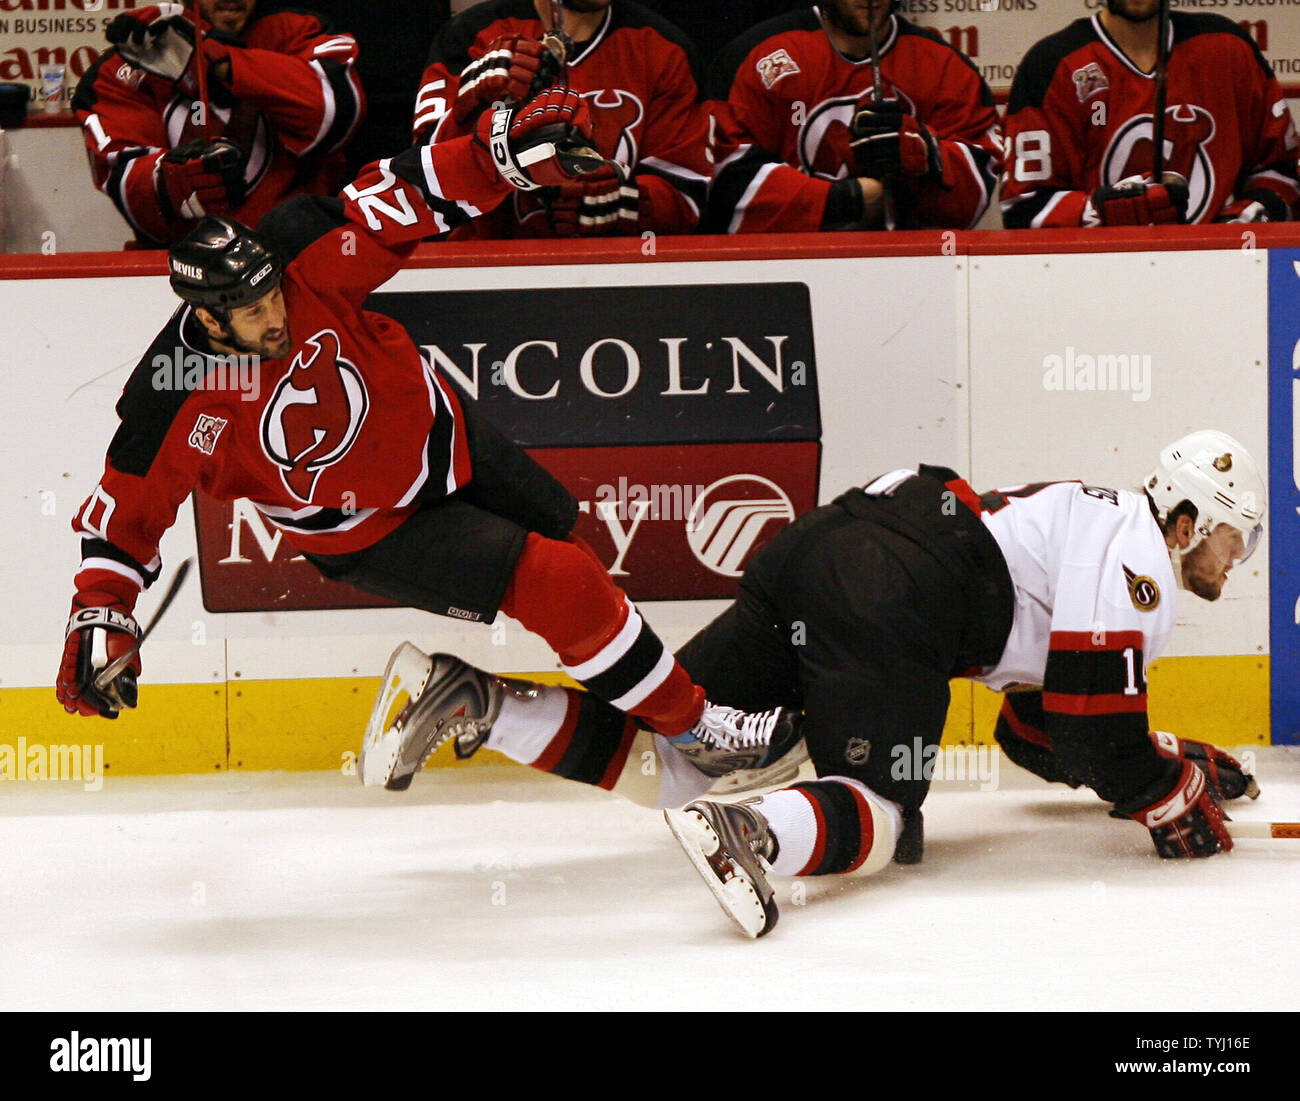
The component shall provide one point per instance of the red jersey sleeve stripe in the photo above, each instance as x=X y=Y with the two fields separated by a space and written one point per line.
x=1095 y=640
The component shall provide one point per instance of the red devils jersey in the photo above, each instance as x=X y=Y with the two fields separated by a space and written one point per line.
x=337 y=442
x=636 y=74
x=784 y=126
x=291 y=103
x=1080 y=117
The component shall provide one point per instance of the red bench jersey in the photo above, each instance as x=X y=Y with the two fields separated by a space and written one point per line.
x=1080 y=117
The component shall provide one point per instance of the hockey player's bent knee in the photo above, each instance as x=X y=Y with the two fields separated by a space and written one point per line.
x=562 y=593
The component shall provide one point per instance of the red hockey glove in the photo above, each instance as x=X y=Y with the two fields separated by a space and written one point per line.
x=1138 y=201
x=200 y=178
x=513 y=70
x=1225 y=775
x=99 y=631
x=158 y=43
x=602 y=203
x=1184 y=820
x=886 y=142
x=217 y=46
x=544 y=143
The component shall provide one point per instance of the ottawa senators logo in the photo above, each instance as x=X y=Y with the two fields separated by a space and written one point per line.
x=1142 y=590
x=314 y=414
x=824 y=149
x=1188 y=130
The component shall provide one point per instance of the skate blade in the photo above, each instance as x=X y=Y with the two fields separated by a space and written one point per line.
x=407 y=674
x=737 y=895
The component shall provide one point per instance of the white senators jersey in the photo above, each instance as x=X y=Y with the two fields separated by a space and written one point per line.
x=1096 y=597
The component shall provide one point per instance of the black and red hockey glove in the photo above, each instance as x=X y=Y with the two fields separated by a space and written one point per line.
x=200 y=178
x=100 y=630
x=544 y=143
x=601 y=204
x=1138 y=201
x=1184 y=818
x=887 y=142
x=513 y=70
x=1225 y=775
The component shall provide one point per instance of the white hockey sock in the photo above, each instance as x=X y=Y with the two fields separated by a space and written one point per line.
x=525 y=727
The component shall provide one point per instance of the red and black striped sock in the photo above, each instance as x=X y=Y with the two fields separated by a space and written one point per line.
x=832 y=826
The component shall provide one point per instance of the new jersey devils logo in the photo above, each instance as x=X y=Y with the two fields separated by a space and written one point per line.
x=1188 y=130
x=314 y=413
x=824 y=148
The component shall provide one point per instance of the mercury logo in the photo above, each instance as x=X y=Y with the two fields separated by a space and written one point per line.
x=728 y=518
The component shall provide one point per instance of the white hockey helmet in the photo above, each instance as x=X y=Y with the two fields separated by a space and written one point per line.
x=1217 y=474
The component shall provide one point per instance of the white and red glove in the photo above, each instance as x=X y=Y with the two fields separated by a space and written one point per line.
x=1226 y=776
x=1184 y=820
x=601 y=204
x=513 y=70
x=887 y=142
x=200 y=178
x=159 y=40
x=100 y=630
x=1138 y=201
x=544 y=143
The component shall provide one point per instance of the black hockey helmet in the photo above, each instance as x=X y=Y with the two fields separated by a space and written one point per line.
x=222 y=265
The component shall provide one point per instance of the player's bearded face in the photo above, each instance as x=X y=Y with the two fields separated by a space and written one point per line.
x=854 y=16
x=229 y=16
x=1135 y=11
x=261 y=329
x=1206 y=566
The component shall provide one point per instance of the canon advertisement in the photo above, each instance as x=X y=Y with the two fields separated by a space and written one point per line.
x=685 y=419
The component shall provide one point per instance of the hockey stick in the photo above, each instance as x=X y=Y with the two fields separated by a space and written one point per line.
x=561 y=47
x=1275 y=831
x=1158 y=123
x=114 y=667
x=201 y=73
x=887 y=193
x=555 y=40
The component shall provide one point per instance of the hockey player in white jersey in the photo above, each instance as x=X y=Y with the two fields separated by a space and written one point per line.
x=1058 y=593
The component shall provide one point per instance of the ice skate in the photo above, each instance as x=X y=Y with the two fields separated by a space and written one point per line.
x=731 y=847
x=445 y=698
x=726 y=739
x=782 y=772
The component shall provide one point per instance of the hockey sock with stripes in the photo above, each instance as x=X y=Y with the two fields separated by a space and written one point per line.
x=573 y=734
x=561 y=592
x=831 y=826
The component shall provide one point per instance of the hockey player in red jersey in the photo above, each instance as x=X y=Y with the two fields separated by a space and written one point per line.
x=1079 y=133
x=283 y=101
x=860 y=613
x=636 y=73
x=352 y=446
x=802 y=144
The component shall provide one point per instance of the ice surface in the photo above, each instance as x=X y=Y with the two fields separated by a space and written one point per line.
x=501 y=888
